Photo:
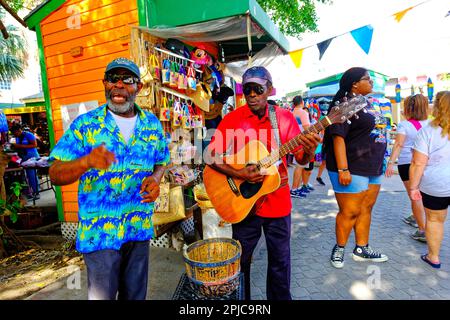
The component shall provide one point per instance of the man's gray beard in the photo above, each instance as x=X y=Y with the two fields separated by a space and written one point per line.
x=120 y=108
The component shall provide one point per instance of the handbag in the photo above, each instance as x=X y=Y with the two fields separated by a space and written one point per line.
x=176 y=208
x=182 y=79
x=191 y=80
x=162 y=202
x=186 y=118
x=154 y=67
x=177 y=114
x=165 y=74
x=173 y=80
x=164 y=112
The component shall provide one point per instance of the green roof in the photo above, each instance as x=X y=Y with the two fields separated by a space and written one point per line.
x=41 y=12
x=167 y=14
x=336 y=77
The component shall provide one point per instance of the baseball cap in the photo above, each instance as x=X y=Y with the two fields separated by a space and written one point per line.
x=125 y=64
x=257 y=74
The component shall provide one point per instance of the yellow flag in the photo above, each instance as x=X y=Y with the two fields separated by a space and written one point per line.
x=296 y=57
x=399 y=15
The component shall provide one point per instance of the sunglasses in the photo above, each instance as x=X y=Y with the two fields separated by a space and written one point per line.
x=125 y=78
x=365 y=78
x=258 y=89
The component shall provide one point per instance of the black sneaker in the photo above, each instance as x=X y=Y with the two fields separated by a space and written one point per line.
x=337 y=257
x=320 y=181
x=368 y=254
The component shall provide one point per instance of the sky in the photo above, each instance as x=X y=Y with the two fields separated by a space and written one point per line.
x=417 y=45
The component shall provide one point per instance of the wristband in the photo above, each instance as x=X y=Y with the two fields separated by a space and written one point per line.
x=343 y=170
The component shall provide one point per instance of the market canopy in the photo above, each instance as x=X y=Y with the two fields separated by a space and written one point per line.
x=230 y=23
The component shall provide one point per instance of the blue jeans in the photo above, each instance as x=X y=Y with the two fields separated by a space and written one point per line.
x=33 y=180
x=118 y=274
x=277 y=232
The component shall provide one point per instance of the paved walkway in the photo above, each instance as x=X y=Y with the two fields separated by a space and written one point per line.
x=404 y=276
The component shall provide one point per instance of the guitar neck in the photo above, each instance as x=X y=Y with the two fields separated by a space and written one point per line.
x=293 y=143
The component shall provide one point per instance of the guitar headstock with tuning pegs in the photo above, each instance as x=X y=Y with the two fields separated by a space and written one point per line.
x=346 y=109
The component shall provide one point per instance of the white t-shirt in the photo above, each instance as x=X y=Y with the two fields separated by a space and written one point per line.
x=436 y=177
x=407 y=129
x=126 y=125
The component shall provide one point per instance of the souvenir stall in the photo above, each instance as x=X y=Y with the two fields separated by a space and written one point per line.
x=189 y=62
x=191 y=54
x=190 y=72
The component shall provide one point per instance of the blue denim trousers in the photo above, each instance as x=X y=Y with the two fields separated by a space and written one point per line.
x=277 y=232
x=118 y=274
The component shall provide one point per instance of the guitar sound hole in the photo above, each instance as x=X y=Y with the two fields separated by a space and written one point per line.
x=249 y=189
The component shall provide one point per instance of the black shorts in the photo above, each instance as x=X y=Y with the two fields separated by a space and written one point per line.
x=435 y=203
x=310 y=166
x=403 y=171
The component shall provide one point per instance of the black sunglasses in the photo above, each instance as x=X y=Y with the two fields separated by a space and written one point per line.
x=125 y=78
x=258 y=89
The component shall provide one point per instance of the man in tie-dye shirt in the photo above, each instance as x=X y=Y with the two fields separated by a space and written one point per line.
x=118 y=153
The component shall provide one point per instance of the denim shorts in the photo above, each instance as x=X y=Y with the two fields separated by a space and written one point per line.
x=358 y=184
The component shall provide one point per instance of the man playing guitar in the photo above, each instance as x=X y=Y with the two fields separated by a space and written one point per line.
x=270 y=213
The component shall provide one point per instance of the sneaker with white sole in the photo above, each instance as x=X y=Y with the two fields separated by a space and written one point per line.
x=368 y=254
x=297 y=193
x=419 y=236
x=411 y=221
x=337 y=257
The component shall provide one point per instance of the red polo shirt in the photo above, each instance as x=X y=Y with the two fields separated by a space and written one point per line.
x=241 y=126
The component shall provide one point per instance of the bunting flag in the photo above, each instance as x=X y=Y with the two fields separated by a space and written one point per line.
x=363 y=37
x=398 y=90
x=296 y=57
x=323 y=46
x=430 y=90
x=399 y=15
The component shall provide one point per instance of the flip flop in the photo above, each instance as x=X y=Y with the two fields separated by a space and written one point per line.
x=434 y=265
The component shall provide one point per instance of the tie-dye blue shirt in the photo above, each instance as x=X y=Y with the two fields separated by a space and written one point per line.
x=110 y=208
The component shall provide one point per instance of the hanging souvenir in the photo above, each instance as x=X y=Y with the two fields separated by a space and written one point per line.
x=196 y=116
x=154 y=67
x=186 y=118
x=177 y=114
x=182 y=78
x=164 y=113
x=165 y=74
x=174 y=68
x=191 y=80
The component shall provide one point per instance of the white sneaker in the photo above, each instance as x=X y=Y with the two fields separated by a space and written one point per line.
x=337 y=257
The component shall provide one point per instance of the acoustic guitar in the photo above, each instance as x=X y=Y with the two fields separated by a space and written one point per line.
x=234 y=198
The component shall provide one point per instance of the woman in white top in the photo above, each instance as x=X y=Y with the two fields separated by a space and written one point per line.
x=430 y=175
x=415 y=113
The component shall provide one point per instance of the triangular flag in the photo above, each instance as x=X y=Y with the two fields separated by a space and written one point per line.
x=399 y=15
x=363 y=37
x=323 y=46
x=296 y=57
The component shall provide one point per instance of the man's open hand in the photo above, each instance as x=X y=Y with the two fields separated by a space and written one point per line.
x=149 y=189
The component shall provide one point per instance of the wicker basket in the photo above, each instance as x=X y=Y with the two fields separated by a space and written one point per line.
x=213 y=265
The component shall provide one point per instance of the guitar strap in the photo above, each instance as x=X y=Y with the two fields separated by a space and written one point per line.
x=276 y=130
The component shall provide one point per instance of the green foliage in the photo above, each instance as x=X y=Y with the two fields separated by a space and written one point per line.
x=293 y=17
x=13 y=205
x=13 y=51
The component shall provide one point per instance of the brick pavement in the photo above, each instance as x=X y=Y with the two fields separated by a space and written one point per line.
x=404 y=276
